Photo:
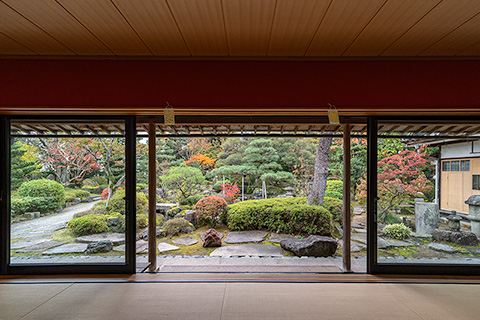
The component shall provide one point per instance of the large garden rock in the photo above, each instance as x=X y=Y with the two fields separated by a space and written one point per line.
x=100 y=246
x=459 y=237
x=191 y=216
x=314 y=246
x=212 y=239
x=144 y=234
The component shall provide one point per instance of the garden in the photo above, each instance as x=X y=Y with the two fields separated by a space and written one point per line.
x=287 y=190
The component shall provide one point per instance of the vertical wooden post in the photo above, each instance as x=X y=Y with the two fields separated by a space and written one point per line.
x=347 y=262
x=152 y=198
x=243 y=189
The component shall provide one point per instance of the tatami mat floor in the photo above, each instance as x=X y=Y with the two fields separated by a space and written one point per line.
x=141 y=297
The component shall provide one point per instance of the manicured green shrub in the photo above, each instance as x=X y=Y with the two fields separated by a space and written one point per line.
x=141 y=186
x=117 y=203
x=173 y=211
x=81 y=193
x=192 y=200
x=209 y=210
x=284 y=215
x=32 y=204
x=176 y=226
x=72 y=194
x=335 y=206
x=89 y=224
x=142 y=221
x=99 y=207
x=397 y=231
x=69 y=195
x=44 y=188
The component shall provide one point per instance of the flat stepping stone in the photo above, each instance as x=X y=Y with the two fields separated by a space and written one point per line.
x=358 y=230
x=141 y=247
x=277 y=237
x=356 y=225
x=359 y=237
x=40 y=247
x=245 y=237
x=202 y=235
x=116 y=238
x=381 y=243
x=24 y=244
x=355 y=247
x=164 y=247
x=185 y=241
x=391 y=243
x=248 y=250
x=67 y=248
x=442 y=247
x=475 y=251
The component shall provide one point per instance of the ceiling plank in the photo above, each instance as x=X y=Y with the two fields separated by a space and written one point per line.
x=389 y=24
x=459 y=40
x=10 y=46
x=15 y=26
x=248 y=24
x=344 y=20
x=156 y=26
x=442 y=20
x=104 y=20
x=472 y=51
x=58 y=23
x=202 y=26
x=294 y=26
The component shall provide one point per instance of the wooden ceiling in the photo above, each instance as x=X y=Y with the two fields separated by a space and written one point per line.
x=240 y=28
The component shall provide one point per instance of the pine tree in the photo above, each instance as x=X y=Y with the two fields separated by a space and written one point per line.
x=21 y=169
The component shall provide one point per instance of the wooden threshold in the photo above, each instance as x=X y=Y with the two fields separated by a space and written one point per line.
x=239 y=277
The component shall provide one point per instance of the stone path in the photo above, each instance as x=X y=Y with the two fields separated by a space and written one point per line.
x=44 y=227
x=248 y=250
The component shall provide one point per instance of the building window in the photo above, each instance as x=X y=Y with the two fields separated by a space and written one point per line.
x=455 y=166
x=465 y=165
x=446 y=166
x=476 y=182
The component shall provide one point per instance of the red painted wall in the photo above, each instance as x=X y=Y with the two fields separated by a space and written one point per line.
x=359 y=85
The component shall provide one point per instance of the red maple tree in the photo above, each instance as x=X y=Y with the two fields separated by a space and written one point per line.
x=400 y=179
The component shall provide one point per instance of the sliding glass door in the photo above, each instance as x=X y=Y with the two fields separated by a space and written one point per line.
x=424 y=196
x=68 y=204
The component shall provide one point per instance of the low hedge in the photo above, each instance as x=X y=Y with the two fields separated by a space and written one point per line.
x=284 y=215
x=32 y=204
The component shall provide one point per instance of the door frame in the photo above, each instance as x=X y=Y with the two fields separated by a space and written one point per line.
x=373 y=267
x=128 y=267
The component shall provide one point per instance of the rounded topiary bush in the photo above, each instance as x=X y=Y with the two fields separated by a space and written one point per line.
x=51 y=194
x=209 y=210
x=89 y=224
x=397 y=231
x=176 y=226
x=283 y=215
x=117 y=203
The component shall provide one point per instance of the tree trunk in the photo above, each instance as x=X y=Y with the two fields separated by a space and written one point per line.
x=321 y=172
